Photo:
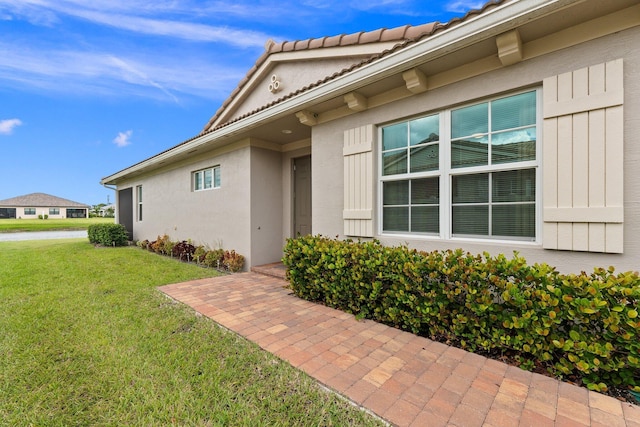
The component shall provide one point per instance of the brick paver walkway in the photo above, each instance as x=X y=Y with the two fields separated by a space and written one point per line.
x=405 y=379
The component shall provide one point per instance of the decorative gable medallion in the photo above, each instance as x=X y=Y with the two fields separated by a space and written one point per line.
x=274 y=86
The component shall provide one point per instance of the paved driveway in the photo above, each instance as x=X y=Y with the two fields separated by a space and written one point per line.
x=42 y=235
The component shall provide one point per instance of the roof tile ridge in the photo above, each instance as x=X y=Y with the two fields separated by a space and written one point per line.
x=371 y=36
x=460 y=19
x=317 y=42
x=393 y=34
x=333 y=41
x=351 y=39
x=410 y=35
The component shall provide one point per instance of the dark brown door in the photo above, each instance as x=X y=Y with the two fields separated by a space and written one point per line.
x=125 y=210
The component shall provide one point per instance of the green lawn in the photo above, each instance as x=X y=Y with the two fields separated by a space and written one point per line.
x=16 y=225
x=87 y=339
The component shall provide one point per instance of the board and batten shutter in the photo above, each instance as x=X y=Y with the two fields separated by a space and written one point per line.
x=583 y=207
x=358 y=181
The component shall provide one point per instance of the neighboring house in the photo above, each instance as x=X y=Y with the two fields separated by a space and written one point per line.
x=107 y=210
x=35 y=205
x=514 y=128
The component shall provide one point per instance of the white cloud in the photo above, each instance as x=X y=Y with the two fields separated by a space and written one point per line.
x=7 y=126
x=175 y=29
x=127 y=74
x=123 y=139
x=33 y=12
x=463 y=6
x=137 y=17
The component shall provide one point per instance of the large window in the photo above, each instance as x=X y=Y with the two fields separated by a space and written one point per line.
x=54 y=211
x=76 y=213
x=29 y=211
x=481 y=158
x=206 y=179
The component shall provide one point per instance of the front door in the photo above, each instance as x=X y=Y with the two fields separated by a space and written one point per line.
x=302 y=196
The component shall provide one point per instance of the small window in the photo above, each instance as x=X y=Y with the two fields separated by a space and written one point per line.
x=54 y=211
x=139 y=202
x=206 y=179
x=29 y=211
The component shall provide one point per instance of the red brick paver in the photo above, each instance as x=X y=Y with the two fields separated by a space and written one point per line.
x=405 y=379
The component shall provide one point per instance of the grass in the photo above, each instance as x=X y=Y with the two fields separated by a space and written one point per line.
x=87 y=339
x=19 y=225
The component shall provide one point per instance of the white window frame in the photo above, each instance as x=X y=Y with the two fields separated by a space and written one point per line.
x=139 y=203
x=446 y=173
x=198 y=179
x=54 y=211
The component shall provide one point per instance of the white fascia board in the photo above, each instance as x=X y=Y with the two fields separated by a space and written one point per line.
x=485 y=25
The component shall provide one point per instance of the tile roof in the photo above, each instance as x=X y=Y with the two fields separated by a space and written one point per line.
x=407 y=35
x=41 y=200
x=399 y=34
x=404 y=35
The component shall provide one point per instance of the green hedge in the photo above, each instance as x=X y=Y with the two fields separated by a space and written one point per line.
x=108 y=234
x=582 y=325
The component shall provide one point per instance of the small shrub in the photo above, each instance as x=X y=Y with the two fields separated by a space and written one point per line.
x=108 y=234
x=162 y=245
x=40 y=216
x=233 y=261
x=214 y=258
x=46 y=216
x=183 y=251
x=167 y=247
x=199 y=254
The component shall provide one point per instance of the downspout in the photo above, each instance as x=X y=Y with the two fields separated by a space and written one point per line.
x=115 y=201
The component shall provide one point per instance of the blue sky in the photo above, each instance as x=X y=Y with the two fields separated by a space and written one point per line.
x=88 y=88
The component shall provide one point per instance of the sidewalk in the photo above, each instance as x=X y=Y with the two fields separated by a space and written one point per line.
x=42 y=235
x=405 y=379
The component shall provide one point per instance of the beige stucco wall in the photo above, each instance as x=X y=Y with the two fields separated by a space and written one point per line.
x=250 y=212
x=328 y=161
x=266 y=206
x=218 y=217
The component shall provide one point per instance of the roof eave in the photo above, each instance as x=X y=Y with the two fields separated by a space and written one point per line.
x=489 y=24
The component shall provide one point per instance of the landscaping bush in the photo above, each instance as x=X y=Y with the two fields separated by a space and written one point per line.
x=184 y=251
x=582 y=326
x=199 y=254
x=233 y=261
x=162 y=245
x=108 y=234
x=214 y=258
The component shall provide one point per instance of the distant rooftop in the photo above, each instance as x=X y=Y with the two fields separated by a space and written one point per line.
x=41 y=200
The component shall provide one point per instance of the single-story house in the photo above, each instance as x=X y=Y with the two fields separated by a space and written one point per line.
x=513 y=128
x=107 y=210
x=35 y=205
